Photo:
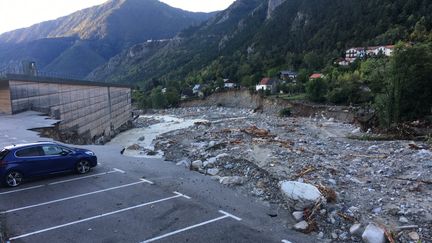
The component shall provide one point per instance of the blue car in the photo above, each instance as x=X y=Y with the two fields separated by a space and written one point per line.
x=37 y=159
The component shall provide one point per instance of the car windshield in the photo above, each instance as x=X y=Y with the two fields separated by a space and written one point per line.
x=3 y=153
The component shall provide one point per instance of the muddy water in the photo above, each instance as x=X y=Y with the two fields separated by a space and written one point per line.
x=144 y=137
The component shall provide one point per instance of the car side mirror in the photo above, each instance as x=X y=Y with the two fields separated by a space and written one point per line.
x=64 y=153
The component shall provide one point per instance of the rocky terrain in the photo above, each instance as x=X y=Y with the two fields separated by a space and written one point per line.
x=338 y=189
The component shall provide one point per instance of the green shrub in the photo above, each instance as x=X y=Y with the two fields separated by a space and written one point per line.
x=285 y=112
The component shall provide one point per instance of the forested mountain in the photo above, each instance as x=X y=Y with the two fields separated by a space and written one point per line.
x=86 y=39
x=255 y=37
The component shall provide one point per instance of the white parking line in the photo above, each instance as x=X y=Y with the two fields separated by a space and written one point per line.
x=286 y=241
x=226 y=215
x=118 y=170
x=73 y=197
x=23 y=189
x=83 y=177
x=97 y=216
x=58 y=182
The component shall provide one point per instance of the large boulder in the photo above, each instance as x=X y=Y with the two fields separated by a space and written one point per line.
x=300 y=195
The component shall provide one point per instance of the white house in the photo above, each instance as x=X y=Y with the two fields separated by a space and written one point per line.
x=267 y=84
x=228 y=84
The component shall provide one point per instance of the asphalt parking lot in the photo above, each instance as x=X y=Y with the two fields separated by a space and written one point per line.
x=127 y=199
x=109 y=205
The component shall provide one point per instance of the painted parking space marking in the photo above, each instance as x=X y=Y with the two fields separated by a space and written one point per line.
x=225 y=215
x=118 y=170
x=58 y=182
x=177 y=195
x=22 y=189
x=73 y=197
x=82 y=177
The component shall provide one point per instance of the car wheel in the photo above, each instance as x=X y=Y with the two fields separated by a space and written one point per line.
x=13 y=178
x=83 y=167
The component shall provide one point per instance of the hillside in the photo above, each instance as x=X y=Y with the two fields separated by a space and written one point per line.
x=255 y=37
x=106 y=29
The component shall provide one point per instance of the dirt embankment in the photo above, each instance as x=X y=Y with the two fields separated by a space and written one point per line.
x=245 y=99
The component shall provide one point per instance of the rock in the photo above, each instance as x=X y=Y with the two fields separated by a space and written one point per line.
x=424 y=154
x=373 y=147
x=300 y=195
x=373 y=234
x=186 y=163
x=141 y=139
x=209 y=162
x=355 y=229
x=134 y=147
x=302 y=225
x=213 y=171
x=231 y=180
x=228 y=166
x=332 y=181
x=402 y=219
x=221 y=156
x=298 y=215
x=414 y=236
x=334 y=235
x=357 y=130
x=197 y=164
x=343 y=236
x=377 y=210
x=150 y=152
x=320 y=235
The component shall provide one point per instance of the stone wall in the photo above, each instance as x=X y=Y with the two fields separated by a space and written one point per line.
x=85 y=110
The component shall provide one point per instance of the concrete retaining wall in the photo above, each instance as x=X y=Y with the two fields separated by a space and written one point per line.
x=85 y=110
x=5 y=102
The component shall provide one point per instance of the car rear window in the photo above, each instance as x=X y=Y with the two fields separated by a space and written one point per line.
x=3 y=153
x=30 y=152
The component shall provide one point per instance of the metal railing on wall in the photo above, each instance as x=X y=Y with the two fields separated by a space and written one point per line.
x=37 y=75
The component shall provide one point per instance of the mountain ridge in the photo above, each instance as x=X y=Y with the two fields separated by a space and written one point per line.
x=107 y=29
x=253 y=38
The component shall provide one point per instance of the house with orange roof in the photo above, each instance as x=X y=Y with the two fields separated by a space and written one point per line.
x=316 y=76
x=267 y=84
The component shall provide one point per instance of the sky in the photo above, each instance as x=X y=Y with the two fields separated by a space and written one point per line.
x=15 y=14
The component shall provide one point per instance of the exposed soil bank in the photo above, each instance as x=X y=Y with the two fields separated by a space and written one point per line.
x=245 y=99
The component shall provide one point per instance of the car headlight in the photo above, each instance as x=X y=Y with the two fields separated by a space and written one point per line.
x=89 y=153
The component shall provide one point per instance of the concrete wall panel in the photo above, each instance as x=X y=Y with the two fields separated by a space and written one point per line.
x=84 y=109
x=5 y=101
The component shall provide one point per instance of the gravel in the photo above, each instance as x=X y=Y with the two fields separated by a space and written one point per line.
x=384 y=182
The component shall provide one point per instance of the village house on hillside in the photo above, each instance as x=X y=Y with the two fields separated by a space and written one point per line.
x=288 y=75
x=267 y=84
x=198 y=90
x=316 y=76
x=354 y=53
x=229 y=84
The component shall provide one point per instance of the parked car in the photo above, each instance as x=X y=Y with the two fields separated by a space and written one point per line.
x=43 y=158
